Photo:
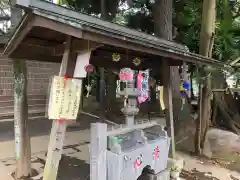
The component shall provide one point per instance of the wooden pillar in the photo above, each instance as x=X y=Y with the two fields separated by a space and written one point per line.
x=170 y=114
x=102 y=93
x=55 y=146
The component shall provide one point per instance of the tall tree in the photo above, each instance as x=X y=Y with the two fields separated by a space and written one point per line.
x=108 y=14
x=227 y=48
x=163 y=27
x=162 y=14
x=205 y=49
x=22 y=139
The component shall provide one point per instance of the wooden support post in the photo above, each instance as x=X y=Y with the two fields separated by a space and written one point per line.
x=58 y=130
x=170 y=111
x=102 y=94
x=98 y=150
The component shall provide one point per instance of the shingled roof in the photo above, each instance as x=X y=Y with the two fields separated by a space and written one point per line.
x=120 y=35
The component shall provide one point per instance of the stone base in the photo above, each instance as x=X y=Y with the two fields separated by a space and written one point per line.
x=164 y=175
x=178 y=162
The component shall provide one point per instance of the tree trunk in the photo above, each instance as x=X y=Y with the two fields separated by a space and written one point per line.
x=111 y=84
x=162 y=13
x=226 y=109
x=102 y=84
x=206 y=44
x=22 y=139
x=152 y=88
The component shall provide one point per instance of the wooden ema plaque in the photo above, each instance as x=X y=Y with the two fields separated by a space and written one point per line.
x=64 y=98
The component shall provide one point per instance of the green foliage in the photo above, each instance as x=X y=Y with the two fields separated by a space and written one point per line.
x=93 y=7
x=138 y=14
x=227 y=42
x=140 y=17
x=187 y=20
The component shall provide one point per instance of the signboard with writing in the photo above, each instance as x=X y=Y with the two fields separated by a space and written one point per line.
x=64 y=98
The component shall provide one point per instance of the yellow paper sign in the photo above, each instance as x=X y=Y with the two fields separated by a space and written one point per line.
x=161 y=98
x=64 y=98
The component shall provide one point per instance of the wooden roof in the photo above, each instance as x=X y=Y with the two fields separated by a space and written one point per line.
x=3 y=40
x=42 y=33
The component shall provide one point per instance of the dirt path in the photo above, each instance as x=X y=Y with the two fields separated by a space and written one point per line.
x=202 y=169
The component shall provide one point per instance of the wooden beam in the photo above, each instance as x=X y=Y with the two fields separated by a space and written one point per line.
x=58 y=130
x=1 y=51
x=116 y=42
x=106 y=62
x=41 y=42
x=170 y=110
x=78 y=45
x=4 y=18
x=145 y=48
x=35 y=57
x=58 y=26
x=56 y=48
x=224 y=90
x=126 y=57
x=33 y=52
x=22 y=30
x=35 y=49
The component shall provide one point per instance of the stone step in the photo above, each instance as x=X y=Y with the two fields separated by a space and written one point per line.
x=7 y=108
x=31 y=102
x=8 y=113
x=30 y=97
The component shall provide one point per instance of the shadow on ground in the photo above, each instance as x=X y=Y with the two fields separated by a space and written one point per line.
x=42 y=126
x=70 y=168
x=197 y=175
x=73 y=169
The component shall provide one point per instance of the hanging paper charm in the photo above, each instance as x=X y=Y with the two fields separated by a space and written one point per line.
x=137 y=61
x=88 y=68
x=88 y=88
x=185 y=85
x=116 y=57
